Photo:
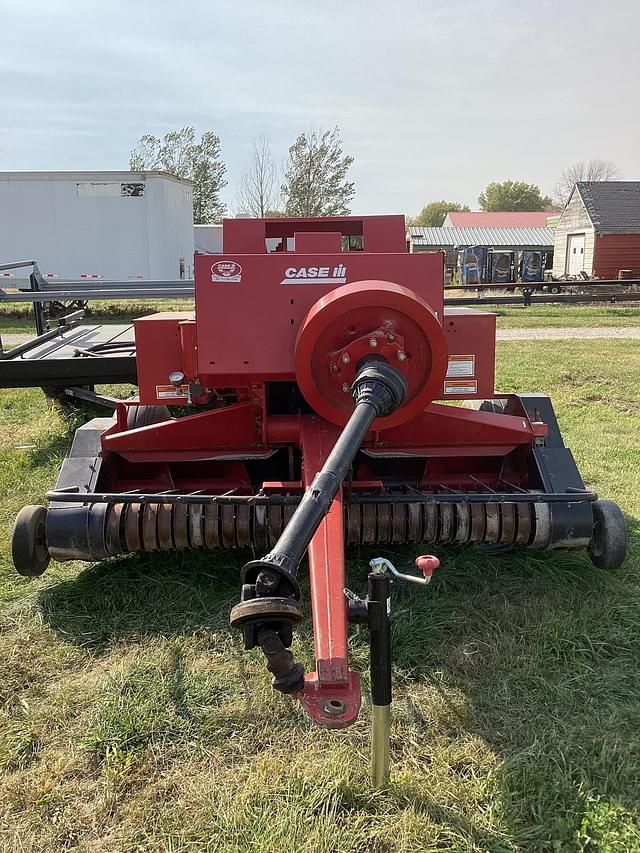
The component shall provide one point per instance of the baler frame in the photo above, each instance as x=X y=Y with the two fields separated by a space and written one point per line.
x=330 y=436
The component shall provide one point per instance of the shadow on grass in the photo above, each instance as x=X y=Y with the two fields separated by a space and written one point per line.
x=176 y=593
x=128 y=597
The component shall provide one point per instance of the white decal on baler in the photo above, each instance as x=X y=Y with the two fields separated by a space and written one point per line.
x=461 y=365
x=229 y=272
x=456 y=387
x=315 y=275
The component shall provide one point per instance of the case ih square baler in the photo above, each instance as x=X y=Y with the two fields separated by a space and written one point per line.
x=312 y=371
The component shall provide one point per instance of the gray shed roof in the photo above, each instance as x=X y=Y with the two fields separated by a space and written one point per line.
x=512 y=238
x=613 y=206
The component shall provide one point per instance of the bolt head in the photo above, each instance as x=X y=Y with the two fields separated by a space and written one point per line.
x=402 y=356
x=346 y=387
x=373 y=343
x=345 y=358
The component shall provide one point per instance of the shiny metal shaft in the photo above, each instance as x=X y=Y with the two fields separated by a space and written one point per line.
x=380 y=734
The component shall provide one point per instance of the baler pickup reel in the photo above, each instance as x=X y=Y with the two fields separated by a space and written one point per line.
x=314 y=372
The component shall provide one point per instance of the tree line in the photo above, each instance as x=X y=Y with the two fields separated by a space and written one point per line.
x=314 y=180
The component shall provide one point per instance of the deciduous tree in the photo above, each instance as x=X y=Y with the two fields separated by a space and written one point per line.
x=591 y=170
x=513 y=195
x=433 y=214
x=315 y=177
x=259 y=194
x=179 y=153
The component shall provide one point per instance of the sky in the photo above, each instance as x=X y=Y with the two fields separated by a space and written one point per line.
x=433 y=100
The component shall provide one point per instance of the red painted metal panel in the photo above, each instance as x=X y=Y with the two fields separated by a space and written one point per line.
x=614 y=252
x=471 y=341
x=381 y=234
x=159 y=349
x=231 y=430
x=247 y=322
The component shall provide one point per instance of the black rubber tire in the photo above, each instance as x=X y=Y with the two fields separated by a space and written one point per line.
x=608 y=548
x=140 y=416
x=495 y=406
x=29 y=542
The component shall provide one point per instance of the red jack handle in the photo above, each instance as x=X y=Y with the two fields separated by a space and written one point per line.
x=427 y=564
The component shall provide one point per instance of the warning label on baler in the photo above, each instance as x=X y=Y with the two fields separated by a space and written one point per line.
x=175 y=392
x=461 y=365
x=456 y=387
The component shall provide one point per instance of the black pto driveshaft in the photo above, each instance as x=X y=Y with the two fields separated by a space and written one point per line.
x=270 y=593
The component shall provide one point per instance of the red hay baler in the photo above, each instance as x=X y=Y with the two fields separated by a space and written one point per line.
x=316 y=367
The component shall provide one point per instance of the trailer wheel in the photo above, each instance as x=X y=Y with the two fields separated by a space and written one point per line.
x=608 y=547
x=29 y=541
x=140 y=416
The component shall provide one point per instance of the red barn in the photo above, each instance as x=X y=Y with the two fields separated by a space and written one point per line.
x=599 y=230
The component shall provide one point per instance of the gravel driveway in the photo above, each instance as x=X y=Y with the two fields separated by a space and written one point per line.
x=567 y=333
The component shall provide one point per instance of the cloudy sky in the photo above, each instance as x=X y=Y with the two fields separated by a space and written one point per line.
x=433 y=99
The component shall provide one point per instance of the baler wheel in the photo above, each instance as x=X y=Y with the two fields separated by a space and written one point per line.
x=29 y=542
x=608 y=547
x=141 y=416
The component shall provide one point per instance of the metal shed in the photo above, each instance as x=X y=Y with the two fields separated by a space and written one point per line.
x=486 y=246
x=442 y=239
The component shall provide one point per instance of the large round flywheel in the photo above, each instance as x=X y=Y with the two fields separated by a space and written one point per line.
x=364 y=321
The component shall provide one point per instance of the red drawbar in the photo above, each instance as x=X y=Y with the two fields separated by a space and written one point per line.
x=332 y=694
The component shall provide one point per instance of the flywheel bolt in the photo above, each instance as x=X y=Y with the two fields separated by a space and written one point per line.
x=346 y=387
x=345 y=358
x=402 y=356
x=373 y=343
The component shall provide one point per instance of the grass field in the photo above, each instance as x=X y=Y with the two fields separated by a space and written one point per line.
x=17 y=318
x=131 y=720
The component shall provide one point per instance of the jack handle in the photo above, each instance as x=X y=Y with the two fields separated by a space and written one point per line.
x=427 y=564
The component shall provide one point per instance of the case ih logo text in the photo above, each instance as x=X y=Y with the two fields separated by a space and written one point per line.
x=228 y=271
x=315 y=275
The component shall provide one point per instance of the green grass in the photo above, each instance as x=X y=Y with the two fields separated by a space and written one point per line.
x=18 y=318
x=538 y=316
x=131 y=720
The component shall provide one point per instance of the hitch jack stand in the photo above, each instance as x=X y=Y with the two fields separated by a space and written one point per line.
x=379 y=584
x=378 y=609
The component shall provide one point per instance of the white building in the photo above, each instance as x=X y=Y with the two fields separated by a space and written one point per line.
x=112 y=225
x=207 y=239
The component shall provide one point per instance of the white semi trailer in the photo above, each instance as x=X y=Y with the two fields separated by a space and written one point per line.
x=126 y=226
